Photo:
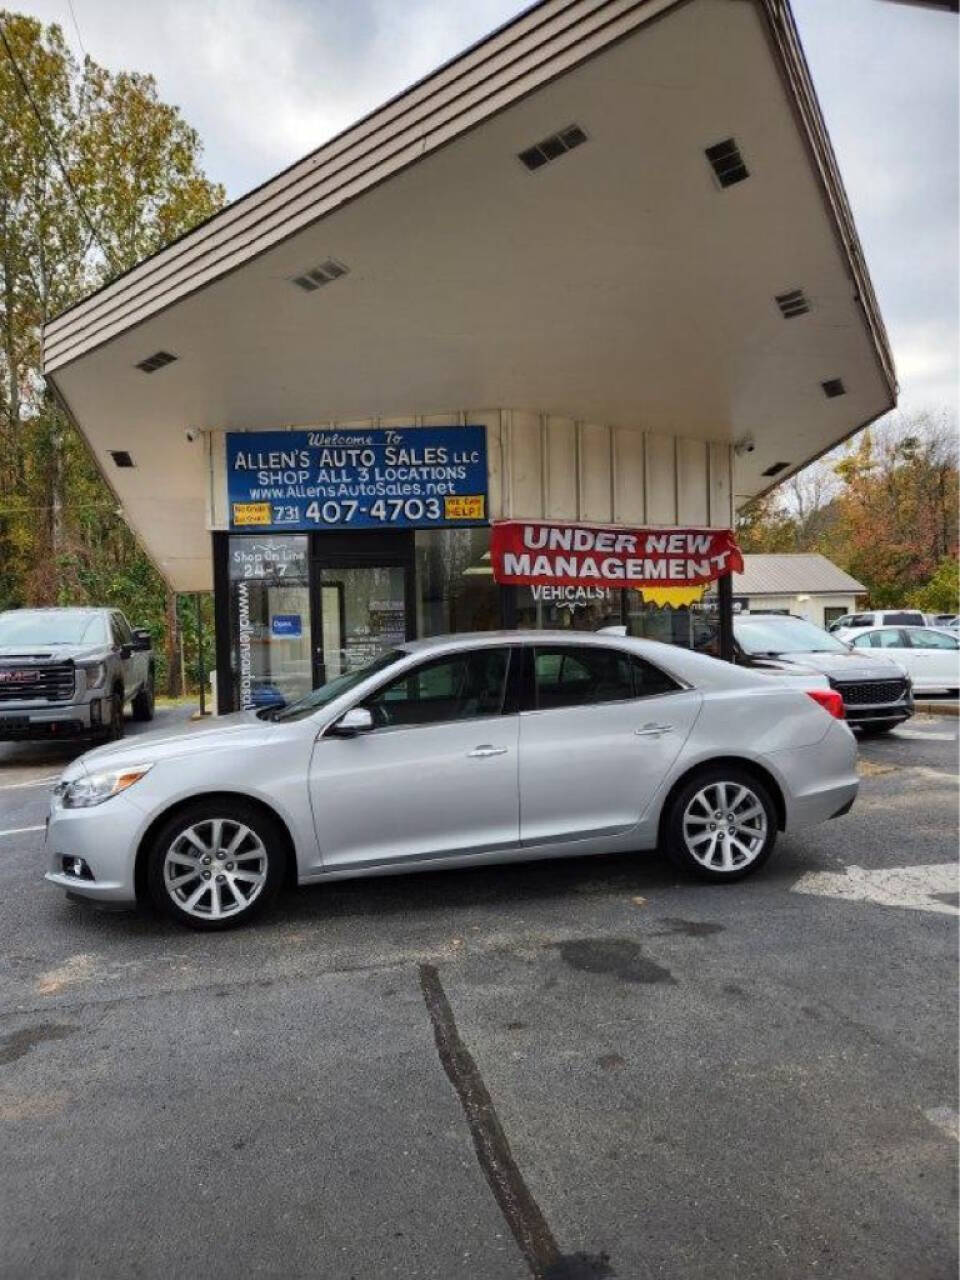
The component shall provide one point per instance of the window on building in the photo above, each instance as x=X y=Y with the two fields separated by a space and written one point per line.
x=455 y=586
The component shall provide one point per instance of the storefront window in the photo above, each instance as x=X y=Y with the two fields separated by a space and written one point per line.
x=455 y=586
x=694 y=627
x=363 y=613
x=567 y=608
x=269 y=620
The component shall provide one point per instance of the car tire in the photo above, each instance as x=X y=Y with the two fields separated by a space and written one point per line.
x=187 y=889
x=114 y=728
x=732 y=846
x=142 y=705
x=874 y=730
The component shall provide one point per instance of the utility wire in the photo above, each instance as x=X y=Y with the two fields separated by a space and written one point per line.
x=76 y=25
x=52 y=143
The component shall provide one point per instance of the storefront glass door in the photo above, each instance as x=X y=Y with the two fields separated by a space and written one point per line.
x=270 y=624
x=363 y=611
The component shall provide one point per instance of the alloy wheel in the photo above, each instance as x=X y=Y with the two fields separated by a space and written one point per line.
x=725 y=826
x=215 y=869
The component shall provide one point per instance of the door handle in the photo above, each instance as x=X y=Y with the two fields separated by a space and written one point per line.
x=481 y=753
x=652 y=730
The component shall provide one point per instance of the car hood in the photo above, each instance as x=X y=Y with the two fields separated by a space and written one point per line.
x=242 y=729
x=836 y=666
x=28 y=653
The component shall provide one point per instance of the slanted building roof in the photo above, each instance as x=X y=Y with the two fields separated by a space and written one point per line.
x=796 y=574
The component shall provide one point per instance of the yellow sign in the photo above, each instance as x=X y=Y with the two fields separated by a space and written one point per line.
x=252 y=513
x=465 y=508
x=675 y=597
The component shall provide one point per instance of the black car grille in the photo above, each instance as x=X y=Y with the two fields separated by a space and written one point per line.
x=869 y=693
x=51 y=683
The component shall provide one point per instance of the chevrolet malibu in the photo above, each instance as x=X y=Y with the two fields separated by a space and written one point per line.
x=454 y=752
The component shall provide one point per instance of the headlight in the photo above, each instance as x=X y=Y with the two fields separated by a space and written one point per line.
x=94 y=788
x=95 y=674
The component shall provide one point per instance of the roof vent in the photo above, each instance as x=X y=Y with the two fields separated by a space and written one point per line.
x=317 y=277
x=551 y=148
x=793 y=303
x=727 y=162
x=121 y=457
x=774 y=468
x=156 y=361
x=833 y=387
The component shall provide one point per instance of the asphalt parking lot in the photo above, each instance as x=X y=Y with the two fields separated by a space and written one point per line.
x=567 y=1070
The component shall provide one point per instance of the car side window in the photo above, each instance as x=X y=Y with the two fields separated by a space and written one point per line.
x=569 y=676
x=124 y=625
x=116 y=635
x=861 y=620
x=931 y=640
x=462 y=686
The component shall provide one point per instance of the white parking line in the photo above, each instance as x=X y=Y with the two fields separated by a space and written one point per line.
x=920 y=735
x=919 y=888
x=19 y=831
x=40 y=782
x=946 y=1119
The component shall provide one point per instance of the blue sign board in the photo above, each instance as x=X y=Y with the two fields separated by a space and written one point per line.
x=341 y=478
x=286 y=624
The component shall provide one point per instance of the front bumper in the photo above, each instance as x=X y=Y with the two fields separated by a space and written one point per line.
x=106 y=837
x=52 y=721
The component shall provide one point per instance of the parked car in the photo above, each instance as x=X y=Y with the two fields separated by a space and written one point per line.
x=877 y=618
x=941 y=619
x=451 y=752
x=68 y=673
x=930 y=655
x=876 y=691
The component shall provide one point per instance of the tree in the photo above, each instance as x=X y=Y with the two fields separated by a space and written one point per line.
x=942 y=592
x=95 y=173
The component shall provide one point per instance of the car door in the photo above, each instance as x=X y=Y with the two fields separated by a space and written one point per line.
x=122 y=642
x=135 y=674
x=600 y=729
x=891 y=640
x=437 y=775
x=935 y=657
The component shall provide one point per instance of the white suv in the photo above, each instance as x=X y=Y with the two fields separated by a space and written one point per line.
x=877 y=618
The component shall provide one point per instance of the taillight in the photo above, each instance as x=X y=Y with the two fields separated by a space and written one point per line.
x=830 y=700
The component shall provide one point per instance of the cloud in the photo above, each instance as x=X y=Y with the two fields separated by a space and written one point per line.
x=266 y=81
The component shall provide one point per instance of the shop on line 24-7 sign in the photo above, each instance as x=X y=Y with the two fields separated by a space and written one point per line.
x=408 y=477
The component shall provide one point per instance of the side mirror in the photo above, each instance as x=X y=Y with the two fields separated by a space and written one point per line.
x=141 y=639
x=356 y=720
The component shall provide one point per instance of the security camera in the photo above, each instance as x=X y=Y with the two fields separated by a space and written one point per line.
x=746 y=444
x=190 y=434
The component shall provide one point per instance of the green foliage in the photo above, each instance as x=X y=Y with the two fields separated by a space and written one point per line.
x=942 y=592
x=134 y=164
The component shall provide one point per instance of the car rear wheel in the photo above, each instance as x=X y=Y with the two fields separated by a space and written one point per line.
x=216 y=864
x=721 y=825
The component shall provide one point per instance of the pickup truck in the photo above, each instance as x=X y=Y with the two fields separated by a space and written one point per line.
x=67 y=673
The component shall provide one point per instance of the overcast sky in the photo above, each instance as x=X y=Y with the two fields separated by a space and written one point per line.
x=265 y=81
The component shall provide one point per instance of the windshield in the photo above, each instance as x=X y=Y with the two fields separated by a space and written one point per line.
x=784 y=635
x=332 y=689
x=36 y=626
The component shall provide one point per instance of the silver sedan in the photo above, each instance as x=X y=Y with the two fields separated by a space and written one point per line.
x=453 y=752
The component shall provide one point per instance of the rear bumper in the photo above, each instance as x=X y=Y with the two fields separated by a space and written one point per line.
x=66 y=720
x=820 y=782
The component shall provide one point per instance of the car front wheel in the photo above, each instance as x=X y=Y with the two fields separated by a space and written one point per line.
x=216 y=864
x=142 y=704
x=721 y=824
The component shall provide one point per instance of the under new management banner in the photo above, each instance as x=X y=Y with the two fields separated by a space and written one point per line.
x=535 y=553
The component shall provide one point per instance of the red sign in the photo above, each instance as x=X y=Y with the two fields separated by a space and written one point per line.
x=532 y=553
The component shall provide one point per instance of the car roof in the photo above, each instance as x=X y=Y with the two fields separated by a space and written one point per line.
x=63 y=608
